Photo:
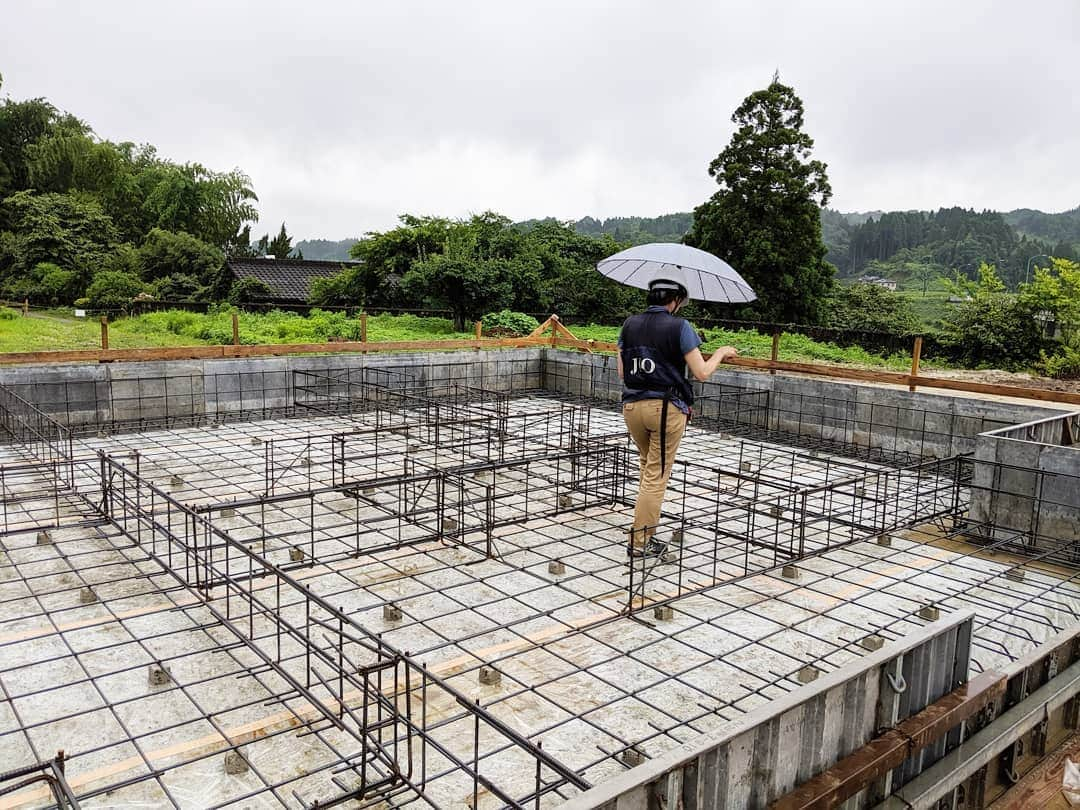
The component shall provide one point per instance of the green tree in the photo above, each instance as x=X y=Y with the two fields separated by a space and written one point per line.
x=211 y=206
x=281 y=245
x=870 y=308
x=766 y=218
x=62 y=229
x=386 y=257
x=923 y=274
x=164 y=253
x=991 y=327
x=110 y=289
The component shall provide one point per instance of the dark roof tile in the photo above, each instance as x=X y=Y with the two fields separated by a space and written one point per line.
x=290 y=279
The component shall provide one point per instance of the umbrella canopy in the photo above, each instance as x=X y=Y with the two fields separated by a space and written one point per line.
x=705 y=277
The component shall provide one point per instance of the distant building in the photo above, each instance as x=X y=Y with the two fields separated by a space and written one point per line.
x=877 y=281
x=289 y=279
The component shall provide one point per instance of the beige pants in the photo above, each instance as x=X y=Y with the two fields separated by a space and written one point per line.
x=643 y=421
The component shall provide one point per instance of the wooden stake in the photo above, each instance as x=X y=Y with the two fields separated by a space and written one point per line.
x=235 y=329
x=363 y=331
x=26 y=307
x=478 y=329
x=916 y=353
x=104 y=332
x=775 y=349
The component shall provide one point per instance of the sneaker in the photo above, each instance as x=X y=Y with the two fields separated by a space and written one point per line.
x=654 y=548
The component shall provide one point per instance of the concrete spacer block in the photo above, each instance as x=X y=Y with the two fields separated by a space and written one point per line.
x=158 y=675
x=776 y=510
x=489 y=676
x=790 y=572
x=677 y=536
x=1015 y=574
x=176 y=481
x=872 y=642
x=228 y=511
x=44 y=538
x=413 y=447
x=101 y=434
x=296 y=554
x=305 y=461
x=369 y=490
x=884 y=540
x=556 y=567
x=235 y=763
x=215 y=425
x=860 y=492
x=808 y=674
x=391 y=613
x=746 y=466
x=449 y=524
x=87 y=596
x=566 y=501
x=929 y=613
x=255 y=440
x=663 y=613
x=632 y=757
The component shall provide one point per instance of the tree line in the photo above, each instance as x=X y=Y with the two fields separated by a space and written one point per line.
x=83 y=218
x=87 y=218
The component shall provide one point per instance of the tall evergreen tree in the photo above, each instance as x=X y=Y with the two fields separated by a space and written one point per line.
x=281 y=245
x=766 y=218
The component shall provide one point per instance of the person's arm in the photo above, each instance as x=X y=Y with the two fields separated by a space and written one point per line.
x=618 y=361
x=702 y=369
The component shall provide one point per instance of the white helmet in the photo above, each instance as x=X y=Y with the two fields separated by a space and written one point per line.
x=670 y=277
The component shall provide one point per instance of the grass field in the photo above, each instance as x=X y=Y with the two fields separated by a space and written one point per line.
x=930 y=308
x=54 y=330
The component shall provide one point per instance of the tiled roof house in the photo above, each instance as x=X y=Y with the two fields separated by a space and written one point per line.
x=290 y=279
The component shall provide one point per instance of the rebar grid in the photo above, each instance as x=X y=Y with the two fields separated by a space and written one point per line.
x=572 y=669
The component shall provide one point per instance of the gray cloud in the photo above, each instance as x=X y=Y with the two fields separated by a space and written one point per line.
x=346 y=114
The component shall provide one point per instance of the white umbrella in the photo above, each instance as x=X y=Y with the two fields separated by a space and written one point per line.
x=705 y=277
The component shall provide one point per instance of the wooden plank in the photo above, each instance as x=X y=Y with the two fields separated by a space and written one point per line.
x=538 y=331
x=882 y=754
x=916 y=353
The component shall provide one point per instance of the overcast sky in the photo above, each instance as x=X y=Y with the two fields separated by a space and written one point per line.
x=346 y=114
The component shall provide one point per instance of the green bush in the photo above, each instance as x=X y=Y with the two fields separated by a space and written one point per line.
x=993 y=330
x=111 y=289
x=248 y=290
x=505 y=322
x=1064 y=364
x=7 y=314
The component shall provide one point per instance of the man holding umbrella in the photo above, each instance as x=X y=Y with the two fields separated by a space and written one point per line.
x=656 y=348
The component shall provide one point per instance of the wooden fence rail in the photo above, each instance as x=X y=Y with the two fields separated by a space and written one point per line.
x=551 y=334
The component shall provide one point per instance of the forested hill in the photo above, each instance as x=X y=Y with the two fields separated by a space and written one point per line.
x=325 y=249
x=1063 y=227
x=630 y=230
x=898 y=242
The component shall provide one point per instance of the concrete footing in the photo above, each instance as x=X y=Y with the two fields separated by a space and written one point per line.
x=235 y=763
x=158 y=675
x=929 y=613
x=808 y=674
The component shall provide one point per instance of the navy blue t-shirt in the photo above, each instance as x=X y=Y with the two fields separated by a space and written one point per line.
x=688 y=341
